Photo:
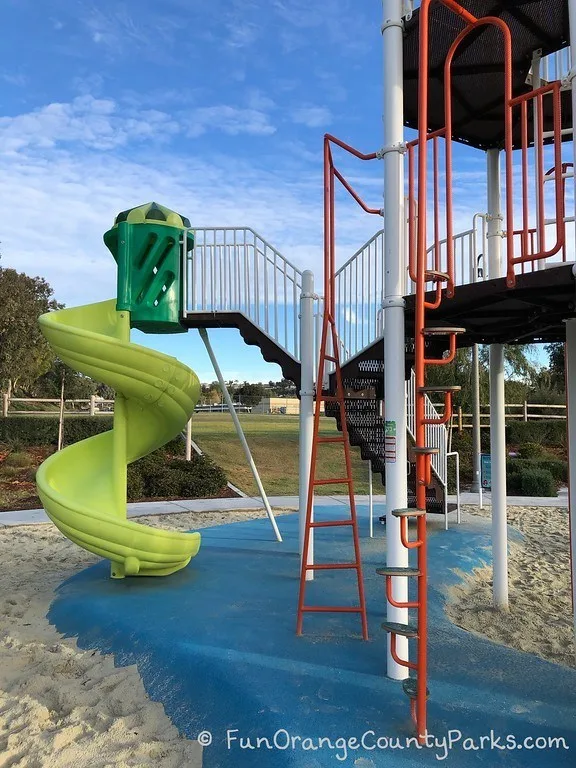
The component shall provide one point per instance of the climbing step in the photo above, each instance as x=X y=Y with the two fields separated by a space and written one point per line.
x=408 y=512
x=442 y=331
x=425 y=450
x=434 y=390
x=405 y=630
x=434 y=276
x=391 y=571
x=410 y=688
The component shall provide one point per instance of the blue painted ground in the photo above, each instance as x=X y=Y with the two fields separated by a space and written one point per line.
x=216 y=645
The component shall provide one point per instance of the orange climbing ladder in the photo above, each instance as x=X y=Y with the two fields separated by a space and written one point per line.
x=329 y=331
x=329 y=354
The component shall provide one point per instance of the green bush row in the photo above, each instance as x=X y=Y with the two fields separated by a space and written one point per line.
x=557 y=468
x=541 y=432
x=531 y=482
x=22 y=431
x=155 y=477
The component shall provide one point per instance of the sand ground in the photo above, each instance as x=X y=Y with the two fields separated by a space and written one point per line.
x=61 y=707
x=540 y=616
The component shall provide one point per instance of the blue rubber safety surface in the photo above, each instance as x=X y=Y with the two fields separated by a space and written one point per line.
x=216 y=645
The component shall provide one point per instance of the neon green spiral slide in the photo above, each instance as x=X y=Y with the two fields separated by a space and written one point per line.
x=83 y=486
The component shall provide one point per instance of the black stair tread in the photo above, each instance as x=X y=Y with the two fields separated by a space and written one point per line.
x=392 y=571
x=408 y=512
x=442 y=330
x=409 y=686
x=425 y=390
x=405 y=630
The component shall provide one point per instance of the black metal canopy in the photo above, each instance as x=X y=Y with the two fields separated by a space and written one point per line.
x=478 y=79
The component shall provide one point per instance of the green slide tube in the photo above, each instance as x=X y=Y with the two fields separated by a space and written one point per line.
x=83 y=486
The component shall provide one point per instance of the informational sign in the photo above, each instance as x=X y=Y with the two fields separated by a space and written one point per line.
x=486 y=471
x=390 y=442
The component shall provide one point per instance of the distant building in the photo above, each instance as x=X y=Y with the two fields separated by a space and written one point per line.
x=285 y=405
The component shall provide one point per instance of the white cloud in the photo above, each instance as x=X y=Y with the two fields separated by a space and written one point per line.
x=312 y=117
x=94 y=123
x=230 y=120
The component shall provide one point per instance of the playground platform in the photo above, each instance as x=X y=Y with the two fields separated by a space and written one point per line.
x=216 y=644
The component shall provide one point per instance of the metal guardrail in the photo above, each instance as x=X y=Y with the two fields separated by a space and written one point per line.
x=234 y=269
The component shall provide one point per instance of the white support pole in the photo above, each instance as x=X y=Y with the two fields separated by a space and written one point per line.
x=571 y=354
x=476 y=441
x=239 y=431
x=370 y=501
x=307 y=369
x=189 y=440
x=497 y=398
x=393 y=306
x=571 y=412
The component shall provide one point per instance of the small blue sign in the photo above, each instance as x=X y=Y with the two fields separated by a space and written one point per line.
x=486 y=471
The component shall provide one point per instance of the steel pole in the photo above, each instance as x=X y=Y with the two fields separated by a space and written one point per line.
x=476 y=441
x=239 y=431
x=571 y=357
x=497 y=398
x=393 y=313
x=307 y=369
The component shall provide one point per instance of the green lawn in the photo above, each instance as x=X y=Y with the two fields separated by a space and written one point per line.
x=273 y=441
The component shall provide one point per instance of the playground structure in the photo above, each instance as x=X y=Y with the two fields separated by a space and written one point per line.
x=418 y=290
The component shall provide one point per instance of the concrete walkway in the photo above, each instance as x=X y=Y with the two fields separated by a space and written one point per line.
x=139 y=509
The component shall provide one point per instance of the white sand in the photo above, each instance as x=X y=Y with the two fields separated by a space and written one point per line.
x=540 y=617
x=61 y=707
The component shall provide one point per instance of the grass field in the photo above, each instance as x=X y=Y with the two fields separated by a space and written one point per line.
x=273 y=441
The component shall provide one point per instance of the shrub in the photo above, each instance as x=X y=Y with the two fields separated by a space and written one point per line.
x=543 y=432
x=557 y=468
x=537 y=482
x=530 y=450
x=43 y=430
x=18 y=460
x=135 y=487
x=199 y=478
x=530 y=481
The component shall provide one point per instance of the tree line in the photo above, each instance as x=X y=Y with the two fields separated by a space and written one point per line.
x=29 y=367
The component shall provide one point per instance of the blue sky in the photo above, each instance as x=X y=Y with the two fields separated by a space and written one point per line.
x=216 y=109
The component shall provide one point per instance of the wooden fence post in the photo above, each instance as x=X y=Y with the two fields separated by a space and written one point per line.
x=525 y=411
x=460 y=422
x=5 y=404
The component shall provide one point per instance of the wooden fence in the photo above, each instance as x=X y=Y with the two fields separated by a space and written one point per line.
x=514 y=412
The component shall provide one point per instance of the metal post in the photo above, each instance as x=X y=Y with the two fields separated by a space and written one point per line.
x=370 y=501
x=308 y=362
x=226 y=395
x=189 y=440
x=393 y=307
x=497 y=399
x=476 y=441
x=571 y=414
x=571 y=355
x=536 y=83
x=61 y=414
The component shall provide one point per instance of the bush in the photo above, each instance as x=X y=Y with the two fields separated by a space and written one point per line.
x=542 y=432
x=155 y=477
x=530 y=481
x=135 y=487
x=557 y=468
x=530 y=450
x=43 y=430
x=18 y=460
x=200 y=478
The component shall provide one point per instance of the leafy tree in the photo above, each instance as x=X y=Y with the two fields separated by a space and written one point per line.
x=251 y=394
x=76 y=385
x=24 y=353
x=556 y=366
x=282 y=388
